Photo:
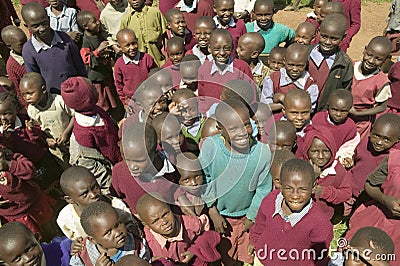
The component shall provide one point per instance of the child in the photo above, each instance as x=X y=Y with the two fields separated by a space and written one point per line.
x=63 y=18
x=224 y=19
x=96 y=55
x=329 y=8
x=144 y=169
x=15 y=38
x=210 y=128
x=131 y=259
x=282 y=136
x=176 y=26
x=94 y=138
x=189 y=70
x=19 y=246
x=111 y=17
x=202 y=31
x=313 y=15
x=20 y=134
x=47 y=43
x=149 y=26
x=180 y=238
x=132 y=68
x=224 y=67
x=193 y=10
x=107 y=238
x=352 y=13
x=274 y=33
x=305 y=33
x=293 y=76
x=176 y=52
x=162 y=78
x=280 y=157
x=249 y=49
x=51 y=113
x=192 y=124
x=394 y=77
x=372 y=150
x=8 y=15
x=190 y=177
x=262 y=114
x=328 y=65
x=80 y=189
x=21 y=199
x=276 y=58
x=337 y=121
x=370 y=88
x=233 y=159
x=288 y=220
x=333 y=184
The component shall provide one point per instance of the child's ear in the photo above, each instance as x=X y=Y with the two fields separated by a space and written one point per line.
x=168 y=25
x=44 y=88
x=255 y=54
x=209 y=48
x=69 y=200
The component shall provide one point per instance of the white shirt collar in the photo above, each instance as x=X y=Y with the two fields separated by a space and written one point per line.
x=257 y=28
x=17 y=57
x=42 y=46
x=184 y=8
x=17 y=124
x=127 y=60
x=229 y=67
x=317 y=57
x=51 y=14
x=329 y=171
x=231 y=23
x=359 y=75
x=300 y=82
x=293 y=218
x=257 y=70
x=89 y=121
x=197 y=52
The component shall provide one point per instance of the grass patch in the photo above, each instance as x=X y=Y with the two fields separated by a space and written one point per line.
x=16 y=2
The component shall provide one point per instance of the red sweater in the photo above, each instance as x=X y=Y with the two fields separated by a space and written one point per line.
x=127 y=77
x=313 y=231
x=394 y=77
x=352 y=12
x=15 y=73
x=174 y=71
x=44 y=3
x=203 y=9
x=237 y=31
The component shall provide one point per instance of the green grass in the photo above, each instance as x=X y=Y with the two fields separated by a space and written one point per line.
x=16 y=2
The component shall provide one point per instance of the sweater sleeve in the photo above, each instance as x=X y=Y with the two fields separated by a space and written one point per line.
x=206 y=156
x=29 y=60
x=260 y=223
x=320 y=237
x=119 y=81
x=355 y=20
x=21 y=167
x=341 y=193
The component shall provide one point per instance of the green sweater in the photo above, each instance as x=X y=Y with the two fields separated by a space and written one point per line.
x=236 y=182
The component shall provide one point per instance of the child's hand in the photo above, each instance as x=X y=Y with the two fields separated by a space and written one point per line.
x=250 y=249
x=30 y=124
x=188 y=210
x=393 y=204
x=247 y=224
x=318 y=190
x=174 y=109
x=64 y=137
x=103 y=45
x=188 y=256
x=7 y=130
x=219 y=222
x=117 y=49
x=75 y=36
x=317 y=169
x=353 y=111
x=346 y=162
x=77 y=246
x=278 y=98
x=52 y=143
x=104 y=260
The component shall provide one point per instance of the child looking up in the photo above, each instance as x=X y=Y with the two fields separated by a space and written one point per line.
x=249 y=49
x=328 y=65
x=190 y=233
x=51 y=113
x=280 y=157
x=63 y=18
x=293 y=76
x=189 y=70
x=276 y=58
x=289 y=220
x=176 y=26
x=233 y=166
x=176 y=52
x=108 y=239
x=203 y=28
x=305 y=33
x=47 y=43
x=149 y=26
x=274 y=33
x=132 y=68
x=370 y=88
x=94 y=138
x=282 y=136
x=224 y=19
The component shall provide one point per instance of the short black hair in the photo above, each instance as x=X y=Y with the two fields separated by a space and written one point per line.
x=336 y=20
x=206 y=20
x=172 y=12
x=176 y=41
x=33 y=77
x=92 y=211
x=139 y=132
x=382 y=241
x=392 y=120
x=11 y=33
x=11 y=231
x=281 y=157
x=297 y=165
x=12 y=97
x=382 y=41
x=72 y=175
x=83 y=17
x=33 y=7
x=224 y=32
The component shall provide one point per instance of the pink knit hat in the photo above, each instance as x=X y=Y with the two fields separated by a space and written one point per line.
x=78 y=94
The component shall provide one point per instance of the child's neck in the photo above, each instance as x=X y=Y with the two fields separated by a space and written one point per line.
x=57 y=9
x=204 y=50
x=43 y=101
x=223 y=23
x=88 y=33
x=363 y=71
x=48 y=40
x=253 y=63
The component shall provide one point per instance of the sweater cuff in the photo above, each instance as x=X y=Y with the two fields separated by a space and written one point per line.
x=96 y=53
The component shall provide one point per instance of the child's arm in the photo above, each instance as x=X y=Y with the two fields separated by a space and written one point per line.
x=22 y=167
x=259 y=226
x=355 y=22
x=119 y=84
x=74 y=34
x=67 y=132
x=377 y=109
x=219 y=222
x=90 y=57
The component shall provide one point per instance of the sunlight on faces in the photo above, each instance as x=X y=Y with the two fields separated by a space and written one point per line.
x=202 y=34
x=128 y=44
x=176 y=52
x=189 y=111
x=177 y=24
x=330 y=37
x=261 y=116
x=137 y=4
x=83 y=192
x=373 y=58
x=221 y=46
x=224 y=10
x=245 y=49
x=153 y=103
x=295 y=63
x=14 y=38
x=338 y=109
x=93 y=25
x=304 y=35
x=38 y=23
x=319 y=153
x=190 y=172
x=317 y=6
x=297 y=111
x=33 y=93
x=136 y=157
x=263 y=14
x=282 y=141
x=22 y=250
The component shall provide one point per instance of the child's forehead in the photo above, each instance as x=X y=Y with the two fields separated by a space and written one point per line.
x=264 y=7
x=305 y=30
x=177 y=16
x=277 y=55
x=220 y=38
x=223 y=3
x=208 y=25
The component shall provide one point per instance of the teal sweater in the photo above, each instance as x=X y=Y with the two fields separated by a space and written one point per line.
x=236 y=182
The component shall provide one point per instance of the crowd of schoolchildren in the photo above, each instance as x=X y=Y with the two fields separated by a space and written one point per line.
x=197 y=132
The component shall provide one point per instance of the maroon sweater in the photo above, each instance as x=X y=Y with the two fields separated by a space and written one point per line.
x=394 y=77
x=237 y=31
x=313 y=231
x=15 y=73
x=127 y=77
x=203 y=9
x=174 y=71
x=352 y=12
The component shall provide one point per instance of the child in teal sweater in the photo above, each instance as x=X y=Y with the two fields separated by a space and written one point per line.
x=236 y=168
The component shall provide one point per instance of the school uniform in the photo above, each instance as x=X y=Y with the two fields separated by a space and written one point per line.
x=15 y=68
x=200 y=8
x=197 y=52
x=394 y=77
x=352 y=13
x=174 y=70
x=188 y=40
x=236 y=27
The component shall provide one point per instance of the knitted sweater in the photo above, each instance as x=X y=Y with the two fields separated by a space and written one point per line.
x=15 y=72
x=229 y=175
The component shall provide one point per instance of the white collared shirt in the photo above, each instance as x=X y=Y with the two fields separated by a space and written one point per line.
x=257 y=70
x=317 y=57
x=293 y=218
x=42 y=46
x=197 y=52
x=128 y=61
x=184 y=8
x=65 y=22
x=228 y=67
x=218 y=24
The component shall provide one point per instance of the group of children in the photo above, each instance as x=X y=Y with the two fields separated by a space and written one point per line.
x=196 y=136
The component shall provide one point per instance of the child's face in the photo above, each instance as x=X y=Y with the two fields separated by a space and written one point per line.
x=295 y=64
x=282 y=141
x=245 y=50
x=129 y=45
x=319 y=153
x=116 y=3
x=191 y=180
x=261 y=119
x=150 y=104
x=263 y=15
x=189 y=111
x=160 y=219
x=170 y=135
x=54 y=3
x=202 y=33
x=236 y=129
x=297 y=111
x=93 y=25
x=276 y=61
x=137 y=4
x=317 y=6
x=177 y=24
x=329 y=39
x=137 y=158
x=224 y=10
x=39 y=25
x=189 y=75
x=383 y=137
x=338 y=109
x=276 y=173
x=373 y=58
x=108 y=231
x=303 y=36
x=32 y=93
x=176 y=53
x=17 y=42
x=83 y=192
x=8 y=114
x=221 y=48
x=296 y=188
x=22 y=250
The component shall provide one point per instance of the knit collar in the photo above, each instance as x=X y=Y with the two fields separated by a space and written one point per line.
x=257 y=28
x=293 y=218
x=128 y=61
x=197 y=52
x=359 y=75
